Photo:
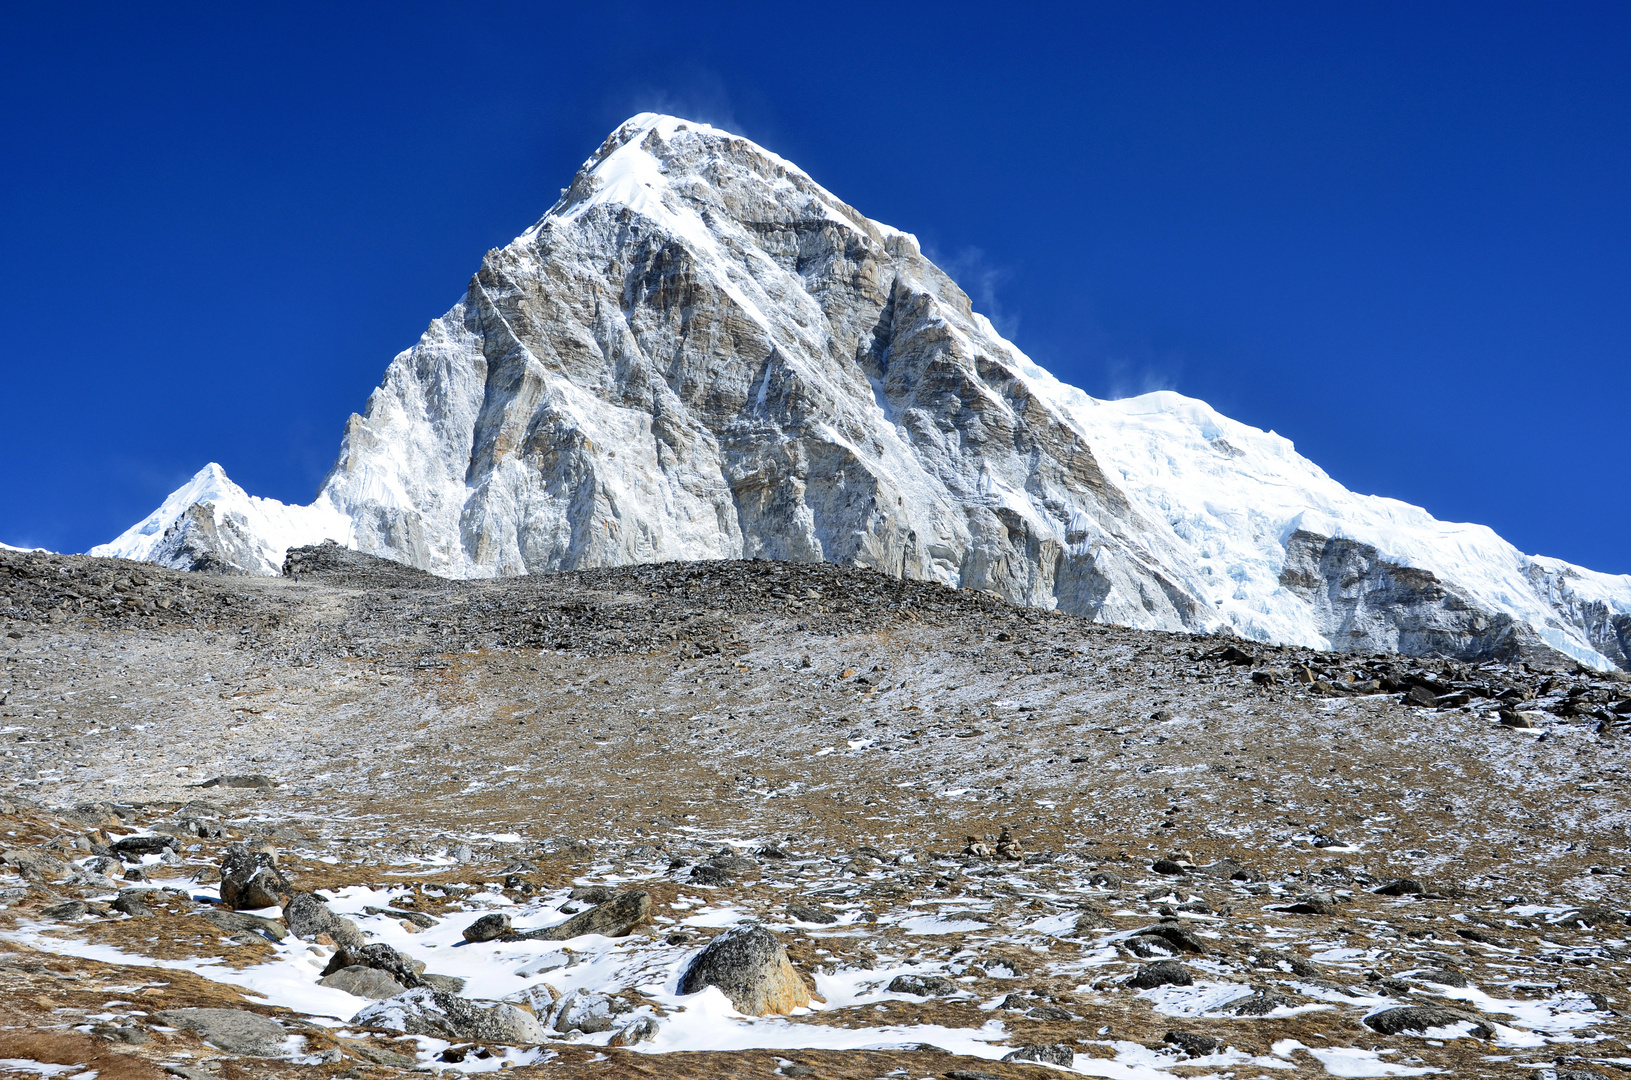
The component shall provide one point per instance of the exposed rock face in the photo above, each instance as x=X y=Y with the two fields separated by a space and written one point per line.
x=700 y=353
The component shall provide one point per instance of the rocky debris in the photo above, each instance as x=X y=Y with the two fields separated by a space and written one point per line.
x=488 y=928
x=750 y=966
x=1421 y=1019
x=615 y=918
x=425 y=1011
x=309 y=919
x=237 y=1031
x=922 y=985
x=359 y=980
x=250 y=879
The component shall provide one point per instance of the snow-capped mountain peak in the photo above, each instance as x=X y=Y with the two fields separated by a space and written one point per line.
x=699 y=353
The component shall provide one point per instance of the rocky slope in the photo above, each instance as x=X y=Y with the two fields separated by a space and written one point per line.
x=700 y=353
x=504 y=822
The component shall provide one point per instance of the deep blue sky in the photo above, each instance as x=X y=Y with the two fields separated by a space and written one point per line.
x=1399 y=235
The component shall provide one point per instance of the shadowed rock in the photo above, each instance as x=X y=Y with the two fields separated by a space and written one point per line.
x=750 y=966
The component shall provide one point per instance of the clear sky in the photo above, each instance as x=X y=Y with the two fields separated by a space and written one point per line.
x=1399 y=235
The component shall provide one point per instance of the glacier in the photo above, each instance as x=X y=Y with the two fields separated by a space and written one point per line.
x=700 y=353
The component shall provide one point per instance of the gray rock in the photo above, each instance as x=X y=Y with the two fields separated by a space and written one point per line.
x=1443 y=978
x=1050 y=1013
x=583 y=1011
x=448 y=984
x=426 y=1011
x=750 y=966
x=308 y=917
x=1161 y=973
x=362 y=981
x=922 y=985
x=488 y=928
x=1416 y=1019
x=1400 y=887
x=236 y=1031
x=1170 y=867
x=1051 y=1054
x=236 y=922
x=418 y=918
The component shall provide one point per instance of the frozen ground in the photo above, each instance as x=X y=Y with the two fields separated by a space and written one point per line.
x=820 y=736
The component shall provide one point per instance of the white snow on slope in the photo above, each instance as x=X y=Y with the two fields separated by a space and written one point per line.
x=274 y=526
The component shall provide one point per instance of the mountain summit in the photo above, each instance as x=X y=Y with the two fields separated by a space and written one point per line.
x=700 y=353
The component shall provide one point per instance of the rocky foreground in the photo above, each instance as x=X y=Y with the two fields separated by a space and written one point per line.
x=760 y=819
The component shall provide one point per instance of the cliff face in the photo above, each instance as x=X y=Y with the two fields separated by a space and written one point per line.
x=700 y=353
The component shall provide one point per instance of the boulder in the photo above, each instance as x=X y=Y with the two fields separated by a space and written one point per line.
x=237 y=1031
x=362 y=981
x=488 y=928
x=1176 y=936
x=133 y=902
x=308 y=918
x=642 y=1030
x=1401 y=887
x=250 y=879
x=424 y=1011
x=750 y=966
x=1170 y=867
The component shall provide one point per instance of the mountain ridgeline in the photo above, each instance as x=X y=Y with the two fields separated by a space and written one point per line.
x=700 y=353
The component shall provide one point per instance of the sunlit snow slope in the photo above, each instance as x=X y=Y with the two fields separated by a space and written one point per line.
x=699 y=353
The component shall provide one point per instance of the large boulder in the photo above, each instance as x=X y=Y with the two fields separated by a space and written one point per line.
x=424 y=1011
x=237 y=1031
x=309 y=918
x=236 y=922
x=250 y=879
x=750 y=966
x=488 y=928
